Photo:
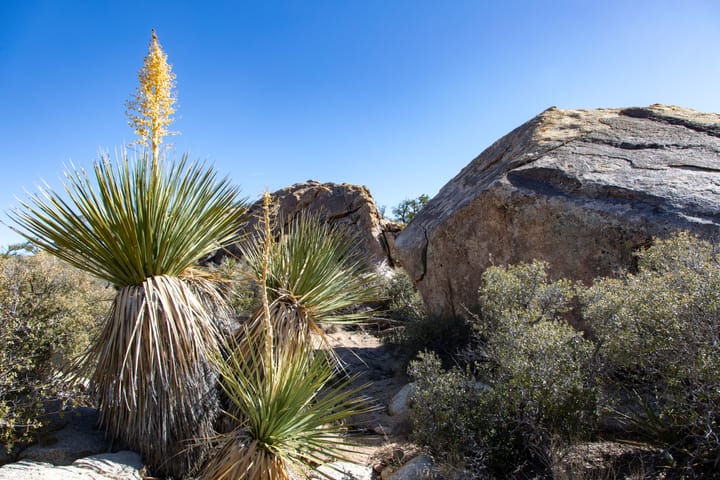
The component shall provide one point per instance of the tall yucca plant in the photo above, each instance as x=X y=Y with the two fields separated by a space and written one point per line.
x=142 y=228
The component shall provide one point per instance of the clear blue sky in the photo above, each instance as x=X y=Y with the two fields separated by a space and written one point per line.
x=397 y=95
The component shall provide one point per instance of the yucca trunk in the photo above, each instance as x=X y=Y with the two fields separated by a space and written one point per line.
x=154 y=382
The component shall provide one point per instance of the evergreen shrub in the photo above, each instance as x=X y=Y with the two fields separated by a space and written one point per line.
x=531 y=383
x=527 y=384
x=48 y=313
x=658 y=335
x=417 y=330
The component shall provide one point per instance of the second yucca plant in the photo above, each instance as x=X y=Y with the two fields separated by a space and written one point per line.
x=286 y=404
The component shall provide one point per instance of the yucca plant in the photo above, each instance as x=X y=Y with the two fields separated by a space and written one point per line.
x=142 y=228
x=283 y=397
x=313 y=267
x=288 y=414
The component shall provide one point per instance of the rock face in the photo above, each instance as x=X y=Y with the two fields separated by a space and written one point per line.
x=78 y=438
x=337 y=204
x=580 y=189
x=123 y=465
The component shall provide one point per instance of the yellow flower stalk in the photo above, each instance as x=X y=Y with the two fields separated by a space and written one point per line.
x=150 y=109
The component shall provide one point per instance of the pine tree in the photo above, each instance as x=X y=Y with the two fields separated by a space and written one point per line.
x=150 y=109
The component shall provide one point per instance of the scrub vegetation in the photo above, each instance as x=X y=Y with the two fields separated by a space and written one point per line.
x=48 y=313
x=530 y=384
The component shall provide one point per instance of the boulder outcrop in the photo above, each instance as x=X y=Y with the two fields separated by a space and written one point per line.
x=580 y=189
x=337 y=204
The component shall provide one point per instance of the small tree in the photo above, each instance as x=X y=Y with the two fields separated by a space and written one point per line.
x=150 y=109
x=408 y=208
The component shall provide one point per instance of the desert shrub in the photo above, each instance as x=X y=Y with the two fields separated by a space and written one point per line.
x=659 y=339
x=446 y=336
x=527 y=382
x=403 y=300
x=415 y=330
x=48 y=312
x=448 y=408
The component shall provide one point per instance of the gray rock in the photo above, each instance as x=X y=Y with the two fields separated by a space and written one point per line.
x=79 y=438
x=400 y=403
x=419 y=468
x=580 y=189
x=122 y=465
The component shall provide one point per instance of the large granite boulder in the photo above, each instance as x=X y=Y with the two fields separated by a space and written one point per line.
x=338 y=204
x=581 y=189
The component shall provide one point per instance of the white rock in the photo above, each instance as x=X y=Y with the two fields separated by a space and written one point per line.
x=77 y=439
x=346 y=471
x=400 y=403
x=122 y=465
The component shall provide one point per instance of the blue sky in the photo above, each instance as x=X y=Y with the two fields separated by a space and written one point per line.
x=397 y=95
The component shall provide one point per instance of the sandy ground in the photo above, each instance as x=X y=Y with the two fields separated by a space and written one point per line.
x=381 y=368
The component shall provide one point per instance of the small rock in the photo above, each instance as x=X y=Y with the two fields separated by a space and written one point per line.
x=346 y=471
x=123 y=465
x=79 y=438
x=419 y=468
x=400 y=403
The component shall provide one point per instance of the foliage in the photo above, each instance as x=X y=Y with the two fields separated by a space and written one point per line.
x=136 y=222
x=406 y=210
x=48 y=312
x=241 y=289
x=286 y=414
x=448 y=409
x=403 y=300
x=136 y=227
x=417 y=330
x=654 y=365
x=659 y=338
x=528 y=377
x=151 y=108
x=447 y=337
x=313 y=265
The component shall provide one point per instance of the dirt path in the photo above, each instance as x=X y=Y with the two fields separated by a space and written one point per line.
x=382 y=368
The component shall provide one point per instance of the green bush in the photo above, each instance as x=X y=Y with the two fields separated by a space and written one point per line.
x=527 y=384
x=48 y=312
x=528 y=352
x=416 y=330
x=654 y=365
x=447 y=413
x=658 y=333
x=403 y=300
